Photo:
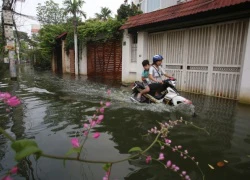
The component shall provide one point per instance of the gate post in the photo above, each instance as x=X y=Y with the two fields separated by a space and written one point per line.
x=83 y=70
x=142 y=54
x=211 y=60
x=244 y=96
x=184 y=83
x=126 y=56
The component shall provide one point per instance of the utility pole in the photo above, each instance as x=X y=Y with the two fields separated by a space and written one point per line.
x=7 y=14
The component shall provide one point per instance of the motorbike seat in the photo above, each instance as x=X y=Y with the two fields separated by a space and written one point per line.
x=140 y=84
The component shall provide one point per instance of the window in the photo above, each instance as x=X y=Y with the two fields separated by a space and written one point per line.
x=153 y=5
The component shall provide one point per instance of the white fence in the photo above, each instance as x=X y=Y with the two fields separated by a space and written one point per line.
x=205 y=59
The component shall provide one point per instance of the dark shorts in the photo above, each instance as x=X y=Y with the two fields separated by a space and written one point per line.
x=157 y=87
x=154 y=87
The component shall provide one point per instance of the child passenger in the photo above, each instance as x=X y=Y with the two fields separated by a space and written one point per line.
x=144 y=78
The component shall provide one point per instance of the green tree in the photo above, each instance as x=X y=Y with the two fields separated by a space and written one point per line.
x=100 y=30
x=21 y=35
x=74 y=7
x=104 y=14
x=127 y=10
x=47 y=41
x=50 y=13
x=22 y=41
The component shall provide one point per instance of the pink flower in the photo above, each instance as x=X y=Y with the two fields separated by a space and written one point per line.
x=90 y=121
x=100 y=118
x=161 y=156
x=183 y=173
x=105 y=178
x=92 y=124
x=14 y=170
x=108 y=91
x=13 y=101
x=96 y=135
x=176 y=168
x=85 y=125
x=148 y=159
x=85 y=133
x=5 y=95
x=108 y=104
x=168 y=141
x=7 y=178
x=75 y=142
x=102 y=110
x=169 y=163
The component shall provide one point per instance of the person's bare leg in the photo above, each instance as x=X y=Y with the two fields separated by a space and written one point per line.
x=144 y=91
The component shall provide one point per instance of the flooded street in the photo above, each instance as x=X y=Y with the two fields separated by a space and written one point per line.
x=54 y=107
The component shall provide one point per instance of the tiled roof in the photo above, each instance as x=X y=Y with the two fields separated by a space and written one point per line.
x=180 y=10
x=62 y=35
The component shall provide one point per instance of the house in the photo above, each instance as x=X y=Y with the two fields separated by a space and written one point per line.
x=205 y=43
x=152 y=5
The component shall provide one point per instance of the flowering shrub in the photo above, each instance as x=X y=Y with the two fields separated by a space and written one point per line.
x=27 y=147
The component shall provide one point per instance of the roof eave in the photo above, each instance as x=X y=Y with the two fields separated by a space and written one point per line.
x=207 y=17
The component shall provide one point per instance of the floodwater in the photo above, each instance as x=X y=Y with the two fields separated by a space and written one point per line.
x=54 y=107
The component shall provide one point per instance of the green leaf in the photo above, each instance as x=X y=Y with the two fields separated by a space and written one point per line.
x=24 y=148
x=135 y=149
x=248 y=156
x=106 y=167
x=73 y=150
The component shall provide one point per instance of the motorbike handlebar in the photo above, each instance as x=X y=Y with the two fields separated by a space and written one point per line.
x=170 y=79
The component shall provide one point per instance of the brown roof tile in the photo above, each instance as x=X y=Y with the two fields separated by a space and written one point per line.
x=180 y=10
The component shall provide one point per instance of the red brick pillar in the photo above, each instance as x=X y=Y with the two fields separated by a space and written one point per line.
x=72 y=61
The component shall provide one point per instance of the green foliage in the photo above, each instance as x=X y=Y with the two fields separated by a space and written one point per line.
x=104 y=14
x=21 y=35
x=100 y=30
x=47 y=37
x=106 y=167
x=126 y=11
x=47 y=42
x=73 y=151
x=24 y=148
x=50 y=13
x=135 y=149
x=74 y=7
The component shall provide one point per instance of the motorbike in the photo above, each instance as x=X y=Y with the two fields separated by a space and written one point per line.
x=169 y=96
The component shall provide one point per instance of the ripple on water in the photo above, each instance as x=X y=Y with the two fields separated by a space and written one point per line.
x=39 y=90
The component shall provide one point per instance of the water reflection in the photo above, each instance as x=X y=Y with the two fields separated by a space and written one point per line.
x=54 y=107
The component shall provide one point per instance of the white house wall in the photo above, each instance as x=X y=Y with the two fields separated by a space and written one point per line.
x=206 y=59
x=244 y=95
x=129 y=63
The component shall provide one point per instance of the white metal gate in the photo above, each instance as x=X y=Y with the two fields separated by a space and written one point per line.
x=206 y=59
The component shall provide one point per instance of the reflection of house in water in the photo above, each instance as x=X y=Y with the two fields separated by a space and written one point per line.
x=240 y=143
x=217 y=115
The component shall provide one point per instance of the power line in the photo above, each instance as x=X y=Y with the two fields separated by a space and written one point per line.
x=27 y=16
